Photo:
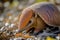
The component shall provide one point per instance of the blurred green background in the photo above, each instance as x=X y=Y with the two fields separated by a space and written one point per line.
x=41 y=0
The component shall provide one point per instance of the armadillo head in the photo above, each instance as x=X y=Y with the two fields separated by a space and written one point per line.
x=25 y=18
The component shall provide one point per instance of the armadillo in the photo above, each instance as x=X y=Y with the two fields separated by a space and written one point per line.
x=45 y=13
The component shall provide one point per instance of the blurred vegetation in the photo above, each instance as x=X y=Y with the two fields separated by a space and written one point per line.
x=41 y=0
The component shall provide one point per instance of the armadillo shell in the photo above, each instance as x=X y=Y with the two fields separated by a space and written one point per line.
x=50 y=14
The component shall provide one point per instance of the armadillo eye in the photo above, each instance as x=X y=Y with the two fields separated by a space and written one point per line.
x=29 y=22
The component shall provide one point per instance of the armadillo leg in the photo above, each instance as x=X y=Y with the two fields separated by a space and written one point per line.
x=40 y=25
